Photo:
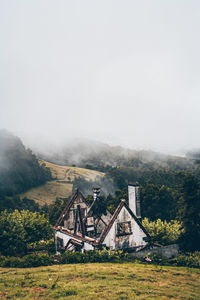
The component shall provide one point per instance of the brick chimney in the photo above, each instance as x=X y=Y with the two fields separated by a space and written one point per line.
x=134 y=199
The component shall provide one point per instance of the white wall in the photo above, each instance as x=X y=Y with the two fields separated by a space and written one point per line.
x=66 y=238
x=133 y=240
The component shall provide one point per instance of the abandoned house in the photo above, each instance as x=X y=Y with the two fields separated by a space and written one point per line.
x=83 y=227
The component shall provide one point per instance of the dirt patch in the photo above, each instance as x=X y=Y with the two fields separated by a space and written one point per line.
x=38 y=289
x=3 y=295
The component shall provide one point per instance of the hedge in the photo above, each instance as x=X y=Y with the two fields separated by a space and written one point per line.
x=36 y=260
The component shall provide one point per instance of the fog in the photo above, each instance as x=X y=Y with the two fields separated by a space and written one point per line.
x=121 y=72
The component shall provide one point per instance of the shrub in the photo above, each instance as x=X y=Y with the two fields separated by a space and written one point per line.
x=163 y=232
x=42 y=245
x=27 y=261
x=36 y=260
x=19 y=228
x=187 y=260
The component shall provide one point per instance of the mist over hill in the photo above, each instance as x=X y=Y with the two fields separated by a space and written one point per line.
x=19 y=168
x=95 y=154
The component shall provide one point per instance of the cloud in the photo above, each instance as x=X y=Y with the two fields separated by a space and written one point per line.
x=122 y=73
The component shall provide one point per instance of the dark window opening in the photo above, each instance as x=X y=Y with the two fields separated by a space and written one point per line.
x=91 y=233
x=83 y=212
x=124 y=228
x=59 y=243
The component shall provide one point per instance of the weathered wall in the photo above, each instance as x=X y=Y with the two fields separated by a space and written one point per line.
x=66 y=238
x=69 y=218
x=134 y=239
x=165 y=251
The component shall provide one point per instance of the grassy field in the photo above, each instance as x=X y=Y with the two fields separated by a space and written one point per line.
x=62 y=184
x=100 y=281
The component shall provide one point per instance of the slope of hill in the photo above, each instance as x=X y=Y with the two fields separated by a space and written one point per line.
x=19 y=167
x=100 y=281
x=98 y=155
x=61 y=185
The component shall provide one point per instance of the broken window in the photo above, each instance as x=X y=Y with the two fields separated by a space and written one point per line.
x=59 y=243
x=124 y=228
x=83 y=212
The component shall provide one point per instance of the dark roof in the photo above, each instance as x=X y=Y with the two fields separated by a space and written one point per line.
x=116 y=213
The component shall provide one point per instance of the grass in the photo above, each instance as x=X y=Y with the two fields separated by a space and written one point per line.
x=100 y=281
x=62 y=184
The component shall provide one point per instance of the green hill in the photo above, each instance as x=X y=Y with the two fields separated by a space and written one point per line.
x=100 y=281
x=61 y=185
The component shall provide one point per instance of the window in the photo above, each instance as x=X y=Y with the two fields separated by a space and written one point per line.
x=83 y=212
x=124 y=228
x=59 y=243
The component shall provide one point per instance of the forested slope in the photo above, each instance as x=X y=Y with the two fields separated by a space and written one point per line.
x=19 y=169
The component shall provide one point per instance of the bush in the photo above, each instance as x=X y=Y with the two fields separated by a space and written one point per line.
x=19 y=228
x=47 y=246
x=36 y=260
x=191 y=260
x=165 y=232
x=92 y=256
x=27 y=261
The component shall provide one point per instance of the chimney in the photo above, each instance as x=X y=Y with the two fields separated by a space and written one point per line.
x=134 y=199
x=96 y=192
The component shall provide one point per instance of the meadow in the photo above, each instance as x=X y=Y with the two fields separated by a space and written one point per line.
x=100 y=281
x=61 y=185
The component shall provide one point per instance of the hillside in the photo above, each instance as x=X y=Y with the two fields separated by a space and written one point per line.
x=19 y=167
x=93 y=154
x=100 y=281
x=61 y=185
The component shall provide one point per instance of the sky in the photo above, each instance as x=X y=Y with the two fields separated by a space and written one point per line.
x=121 y=72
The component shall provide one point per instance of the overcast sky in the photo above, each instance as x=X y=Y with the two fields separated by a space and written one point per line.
x=123 y=72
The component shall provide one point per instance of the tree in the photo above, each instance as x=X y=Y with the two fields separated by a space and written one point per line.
x=162 y=231
x=191 y=218
x=17 y=229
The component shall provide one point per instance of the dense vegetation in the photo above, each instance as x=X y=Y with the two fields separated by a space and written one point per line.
x=19 y=171
x=44 y=258
x=18 y=229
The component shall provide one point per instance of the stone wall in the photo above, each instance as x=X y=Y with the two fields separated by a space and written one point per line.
x=165 y=251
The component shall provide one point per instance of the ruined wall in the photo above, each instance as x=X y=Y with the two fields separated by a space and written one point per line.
x=132 y=237
x=69 y=219
x=164 y=251
x=66 y=238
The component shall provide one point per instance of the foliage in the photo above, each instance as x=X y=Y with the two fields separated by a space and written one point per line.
x=158 y=202
x=189 y=259
x=55 y=209
x=163 y=232
x=17 y=229
x=27 y=261
x=97 y=256
x=42 y=245
x=190 y=240
x=15 y=202
x=19 y=167
x=42 y=259
x=92 y=256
